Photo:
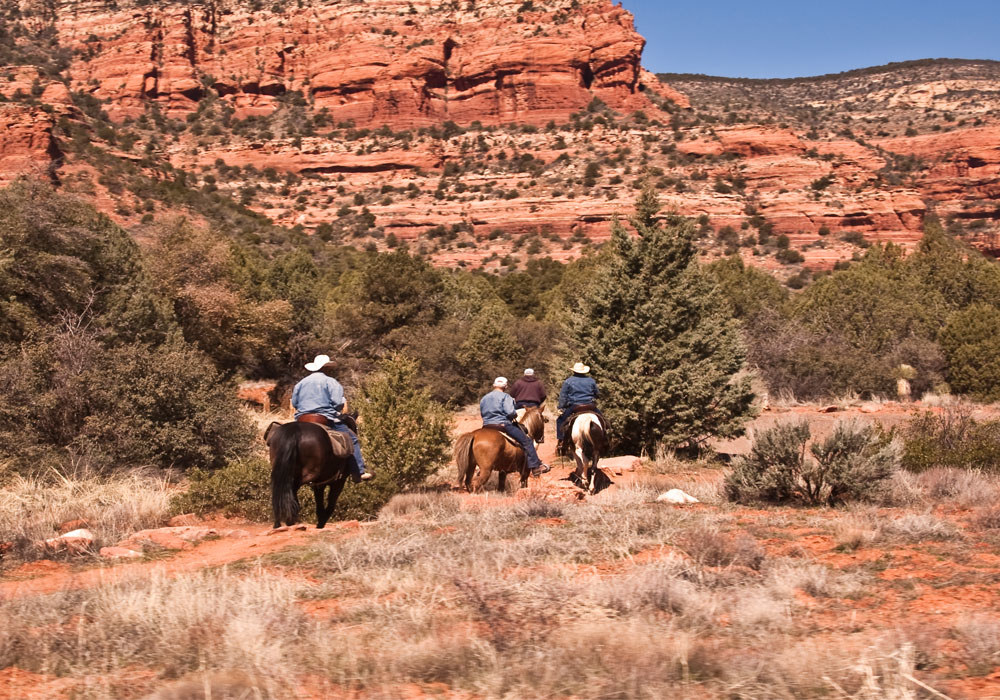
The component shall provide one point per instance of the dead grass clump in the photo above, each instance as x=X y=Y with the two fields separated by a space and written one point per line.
x=860 y=528
x=710 y=547
x=209 y=620
x=987 y=518
x=919 y=527
x=213 y=686
x=963 y=487
x=540 y=508
x=817 y=580
x=902 y=489
x=435 y=504
x=664 y=586
x=840 y=668
x=631 y=658
x=980 y=640
x=114 y=506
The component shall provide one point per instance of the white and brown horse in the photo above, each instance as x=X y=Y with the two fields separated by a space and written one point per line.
x=589 y=444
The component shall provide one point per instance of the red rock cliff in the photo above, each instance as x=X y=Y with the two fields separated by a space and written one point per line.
x=392 y=62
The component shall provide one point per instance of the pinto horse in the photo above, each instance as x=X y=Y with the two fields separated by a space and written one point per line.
x=488 y=449
x=301 y=454
x=589 y=444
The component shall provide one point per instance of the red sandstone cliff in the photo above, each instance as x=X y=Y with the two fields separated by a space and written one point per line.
x=392 y=62
x=255 y=103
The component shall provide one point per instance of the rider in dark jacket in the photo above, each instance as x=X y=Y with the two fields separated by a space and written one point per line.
x=578 y=390
x=528 y=391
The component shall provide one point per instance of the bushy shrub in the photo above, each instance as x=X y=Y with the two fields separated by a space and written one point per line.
x=241 y=488
x=970 y=342
x=404 y=437
x=70 y=397
x=853 y=463
x=951 y=439
x=69 y=261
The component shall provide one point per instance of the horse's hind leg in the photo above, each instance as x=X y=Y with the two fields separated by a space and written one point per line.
x=502 y=482
x=331 y=501
x=484 y=476
x=319 y=492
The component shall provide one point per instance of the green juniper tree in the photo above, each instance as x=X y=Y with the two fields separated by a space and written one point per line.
x=661 y=339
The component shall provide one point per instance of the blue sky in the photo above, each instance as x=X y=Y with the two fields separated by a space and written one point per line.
x=786 y=38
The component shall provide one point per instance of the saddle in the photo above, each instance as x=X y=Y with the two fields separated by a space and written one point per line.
x=566 y=446
x=341 y=443
x=505 y=436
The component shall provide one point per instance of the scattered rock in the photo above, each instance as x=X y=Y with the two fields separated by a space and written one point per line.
x=676 y=497
x=187 y=519
x=119 y=553
x=621 y=464
x=70 y=525
x=176 y=537
x=74 y=541
x=870 y=408
x=829 y=409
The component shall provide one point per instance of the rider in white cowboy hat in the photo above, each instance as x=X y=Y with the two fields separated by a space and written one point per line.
x=497 y=409
x=318 y=395
x=578 y=390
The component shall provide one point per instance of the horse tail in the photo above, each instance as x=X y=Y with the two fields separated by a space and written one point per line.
x=593 y=437
x=286 y=459
x=463 y=456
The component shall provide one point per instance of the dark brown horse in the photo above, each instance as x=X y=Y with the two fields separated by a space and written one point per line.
x=533 y=421
x=488 y=449
x=301 y=454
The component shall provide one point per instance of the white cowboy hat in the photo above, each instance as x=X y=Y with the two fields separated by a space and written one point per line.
x=529 y=373
x=500 y=382
x=580 y=368
x=318 y=363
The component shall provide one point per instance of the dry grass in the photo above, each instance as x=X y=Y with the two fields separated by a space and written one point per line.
x=618 y=598
x=32 y=508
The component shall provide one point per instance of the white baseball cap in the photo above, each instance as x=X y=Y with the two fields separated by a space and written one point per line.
x=500 y=382
x=529 y=373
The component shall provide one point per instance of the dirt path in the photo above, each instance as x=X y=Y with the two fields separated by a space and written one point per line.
x=33 y=579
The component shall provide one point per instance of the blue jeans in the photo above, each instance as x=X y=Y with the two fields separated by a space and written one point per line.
x=526 y=404
x=525 y=442
x=358 y=466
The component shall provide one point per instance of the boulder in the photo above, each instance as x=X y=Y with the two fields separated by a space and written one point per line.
x=621 y=464
x=676 y=497
x=119 y=553
x=74 y=541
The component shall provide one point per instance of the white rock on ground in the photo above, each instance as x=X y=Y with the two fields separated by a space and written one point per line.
x=676 y=497
x=73 y=541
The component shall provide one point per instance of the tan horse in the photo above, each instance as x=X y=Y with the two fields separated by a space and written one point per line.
x=533 y=421
x=488 y=449
x=589 y=445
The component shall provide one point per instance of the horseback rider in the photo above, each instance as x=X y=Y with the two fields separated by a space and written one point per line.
x=497 y=409
x=578 y=390
x=528 y=391
x=319 y=396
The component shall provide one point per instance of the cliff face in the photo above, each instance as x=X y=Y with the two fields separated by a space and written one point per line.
x=393 y=62
x=482 y=132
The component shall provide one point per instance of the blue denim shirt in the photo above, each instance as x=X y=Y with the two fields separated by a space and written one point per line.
x=576 y=390
x=320 y=394
x=496 y=408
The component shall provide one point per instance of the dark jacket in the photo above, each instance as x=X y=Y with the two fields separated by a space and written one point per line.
x=528 y=389
x=578 y=389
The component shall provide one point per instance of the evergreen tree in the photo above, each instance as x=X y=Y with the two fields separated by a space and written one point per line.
x=661 y=339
